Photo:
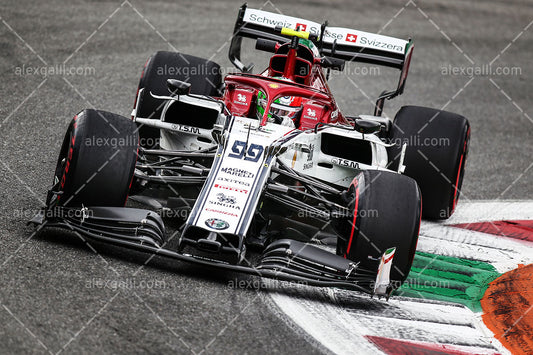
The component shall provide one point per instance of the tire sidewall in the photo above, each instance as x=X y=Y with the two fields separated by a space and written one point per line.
x=98 y=174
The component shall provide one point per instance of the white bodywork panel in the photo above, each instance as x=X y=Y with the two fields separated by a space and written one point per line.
x=175 y=136
x=304 y=152
x=326 y=167
x=184 y=137
x=237 y=178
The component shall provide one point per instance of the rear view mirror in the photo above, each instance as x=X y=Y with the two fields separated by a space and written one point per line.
x=366 y=126
x=266 y=45
x=178 y=87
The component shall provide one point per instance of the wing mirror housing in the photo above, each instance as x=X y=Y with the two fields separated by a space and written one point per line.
x=178 y=87
x=366 y=126
x=266 y=45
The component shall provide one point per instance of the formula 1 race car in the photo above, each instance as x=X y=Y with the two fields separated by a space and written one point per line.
x=262 y=173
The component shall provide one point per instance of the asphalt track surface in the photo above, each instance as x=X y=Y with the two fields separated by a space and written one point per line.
x=58 y=294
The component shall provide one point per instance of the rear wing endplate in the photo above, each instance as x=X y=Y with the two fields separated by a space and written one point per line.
x=338 y=42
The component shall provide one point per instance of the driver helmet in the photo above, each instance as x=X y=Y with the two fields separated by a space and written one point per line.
x=311 y=46
x=284 y=110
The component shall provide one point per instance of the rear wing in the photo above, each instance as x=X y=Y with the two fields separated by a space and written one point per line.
x=338 y=42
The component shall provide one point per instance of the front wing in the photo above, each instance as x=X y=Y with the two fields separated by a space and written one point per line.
x=284 y=259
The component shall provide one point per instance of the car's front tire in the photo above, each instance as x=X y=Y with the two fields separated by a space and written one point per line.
x=385 y=212
x=96 y=161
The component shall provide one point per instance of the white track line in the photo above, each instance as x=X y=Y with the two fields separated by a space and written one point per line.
x=481 y=211
x=340 y=319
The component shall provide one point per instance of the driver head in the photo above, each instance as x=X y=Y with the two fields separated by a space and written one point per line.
x=283 y=110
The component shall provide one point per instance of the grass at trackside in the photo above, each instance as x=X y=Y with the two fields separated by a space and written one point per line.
x=449 y=279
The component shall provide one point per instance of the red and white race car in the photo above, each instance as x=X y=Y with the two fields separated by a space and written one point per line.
x=262 y=173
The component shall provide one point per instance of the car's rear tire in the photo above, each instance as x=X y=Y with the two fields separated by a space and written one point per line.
x=386 y=209
x=203 y=75
x=96 y=161
x=437 y=147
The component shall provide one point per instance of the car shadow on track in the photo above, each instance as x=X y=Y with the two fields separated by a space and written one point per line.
x=156 y=266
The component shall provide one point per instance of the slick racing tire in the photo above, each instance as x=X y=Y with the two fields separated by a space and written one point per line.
x=96 y=161
x=203 y=75
x=437 y=147
x=385 y=212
